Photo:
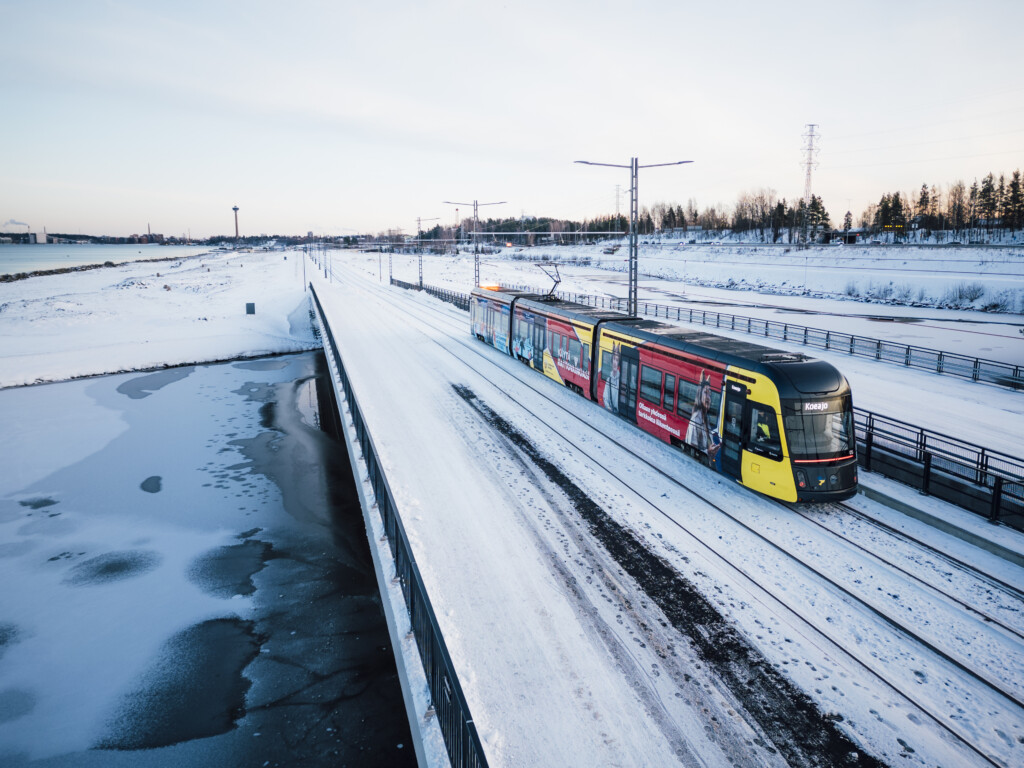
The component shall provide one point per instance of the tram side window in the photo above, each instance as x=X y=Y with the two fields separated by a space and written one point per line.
x=715 y=409
x=606 y=365
x=687 y=394
x=764 y=427
x=575 y=352
x=586 y=358
x=650 y=385
x=670 y=392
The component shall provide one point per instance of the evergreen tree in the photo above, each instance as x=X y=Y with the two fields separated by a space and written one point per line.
x=847 y=222
x=986 y=201
x=778 y=220
x=1015 y=202
x=923 y=201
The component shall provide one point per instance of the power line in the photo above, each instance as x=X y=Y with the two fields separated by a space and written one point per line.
x=922 y=143
x=931 y=159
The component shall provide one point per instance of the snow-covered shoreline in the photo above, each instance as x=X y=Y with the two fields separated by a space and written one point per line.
x=149 y=315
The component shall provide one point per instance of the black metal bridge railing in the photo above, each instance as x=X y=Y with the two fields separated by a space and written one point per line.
x=983 y=481
x=462 y=741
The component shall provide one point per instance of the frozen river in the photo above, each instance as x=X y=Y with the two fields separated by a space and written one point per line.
x=187 y=579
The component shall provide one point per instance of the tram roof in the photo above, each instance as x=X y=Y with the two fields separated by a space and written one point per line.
x=794 y=373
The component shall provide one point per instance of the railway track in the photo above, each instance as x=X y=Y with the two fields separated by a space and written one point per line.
x=931 y=657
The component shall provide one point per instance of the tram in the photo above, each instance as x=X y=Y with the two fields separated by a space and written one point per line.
x=779 y=423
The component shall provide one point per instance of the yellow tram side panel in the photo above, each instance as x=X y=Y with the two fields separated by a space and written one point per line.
x=550 y=369
x=585 y=334
x=772 y=478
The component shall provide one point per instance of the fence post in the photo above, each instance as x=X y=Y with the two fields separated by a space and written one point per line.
x=997 y=498
x=906 y=356
x=869 y=441
x=878 y=350
x=977 y=369
x=828 y=339
x=927 y=479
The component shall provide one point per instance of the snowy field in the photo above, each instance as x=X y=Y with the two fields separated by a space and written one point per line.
x=567 y=654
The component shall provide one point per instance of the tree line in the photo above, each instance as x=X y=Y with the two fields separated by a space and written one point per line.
x=994 y=204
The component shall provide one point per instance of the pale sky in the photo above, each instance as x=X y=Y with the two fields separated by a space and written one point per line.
x=344 y=117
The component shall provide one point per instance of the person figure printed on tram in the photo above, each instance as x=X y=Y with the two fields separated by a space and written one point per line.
x=611 y=387
x=699 y=434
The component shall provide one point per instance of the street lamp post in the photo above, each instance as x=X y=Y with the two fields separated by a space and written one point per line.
x=634 y=217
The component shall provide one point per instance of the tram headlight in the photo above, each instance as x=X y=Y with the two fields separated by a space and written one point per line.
x=801 y=479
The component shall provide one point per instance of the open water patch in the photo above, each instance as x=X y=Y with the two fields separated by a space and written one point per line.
x=194 y=690
x=144 y=386
x=37 y=503
x=228 y=571
x=797 y=728
x=112 y=566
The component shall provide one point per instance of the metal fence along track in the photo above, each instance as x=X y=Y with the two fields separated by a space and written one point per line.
x=449 y=703
x=948 y=363
x=987 y=482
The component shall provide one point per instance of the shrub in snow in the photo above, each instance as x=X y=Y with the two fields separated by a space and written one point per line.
x=964 y=293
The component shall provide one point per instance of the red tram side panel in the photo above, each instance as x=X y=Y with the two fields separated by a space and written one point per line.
x=677 y=398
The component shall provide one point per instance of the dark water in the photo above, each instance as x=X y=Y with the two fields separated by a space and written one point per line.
x=303 y=673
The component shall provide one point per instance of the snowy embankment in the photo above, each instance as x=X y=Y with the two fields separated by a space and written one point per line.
x=152 y=315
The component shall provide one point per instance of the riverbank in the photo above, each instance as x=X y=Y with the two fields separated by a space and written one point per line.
x=148 y=315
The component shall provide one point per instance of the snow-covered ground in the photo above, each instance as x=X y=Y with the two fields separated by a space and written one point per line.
x=149 y=315
x=566 y=656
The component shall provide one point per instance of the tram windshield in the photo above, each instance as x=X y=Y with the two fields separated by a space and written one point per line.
x=819 y=429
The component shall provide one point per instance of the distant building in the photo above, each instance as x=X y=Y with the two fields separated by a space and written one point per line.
x=37 y=238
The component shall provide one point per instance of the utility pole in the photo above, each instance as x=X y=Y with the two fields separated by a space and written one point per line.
x=809 y=163
x=634 y=220
x=476 y=251
x=419 y=247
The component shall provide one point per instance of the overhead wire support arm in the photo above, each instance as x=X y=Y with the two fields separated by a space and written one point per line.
x=634 y=219
x=476 y=260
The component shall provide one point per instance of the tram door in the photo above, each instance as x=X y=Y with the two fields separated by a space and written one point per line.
x=732 y=428
x=540 y=341
x=628 y=382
